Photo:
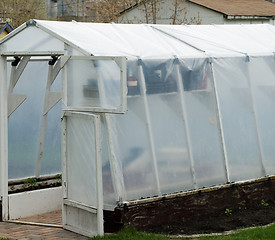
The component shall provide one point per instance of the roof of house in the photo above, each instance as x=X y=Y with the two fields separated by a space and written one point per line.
x=262 y=8
x=5 y=27
x=259 y=8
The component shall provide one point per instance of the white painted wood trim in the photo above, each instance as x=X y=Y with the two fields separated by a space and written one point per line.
x=31 y=203
x=79 y=205
x=79 y=231
x=99 y=181
x=4 y=137
x=121 y=63
x=36 y=53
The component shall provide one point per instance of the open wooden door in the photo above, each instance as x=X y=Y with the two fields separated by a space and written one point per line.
x=82 y=174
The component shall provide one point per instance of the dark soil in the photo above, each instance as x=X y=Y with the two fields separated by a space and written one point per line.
x=238 y=218
x=250 y=204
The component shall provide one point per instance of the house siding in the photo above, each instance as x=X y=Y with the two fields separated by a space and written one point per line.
x=165 y=12
x=200 y=15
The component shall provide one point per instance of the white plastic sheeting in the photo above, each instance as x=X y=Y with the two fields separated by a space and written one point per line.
x=169 y=148
x=151 y=41
x=200 y=103
x=25 y=124
x=98 y=84
x=81 y=151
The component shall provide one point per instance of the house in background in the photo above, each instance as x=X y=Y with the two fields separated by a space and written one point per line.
x=5 y=29
x=201 y=12
x=67 y=10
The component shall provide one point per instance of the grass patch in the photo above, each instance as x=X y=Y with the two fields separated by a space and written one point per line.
x=131 y=233
x=259 y=233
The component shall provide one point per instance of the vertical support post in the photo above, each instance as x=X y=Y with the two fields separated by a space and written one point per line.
x=64 y=165
x=4 y=138
x=226 y=169
x=99 y=177
x=254 y=110
x=149 y=125
x=43 y=127
x=186 y=125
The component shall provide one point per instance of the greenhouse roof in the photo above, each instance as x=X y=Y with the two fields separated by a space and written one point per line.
x=146 y=41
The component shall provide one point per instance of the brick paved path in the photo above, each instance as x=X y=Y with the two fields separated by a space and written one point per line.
x=25 y=231
x=54 y=218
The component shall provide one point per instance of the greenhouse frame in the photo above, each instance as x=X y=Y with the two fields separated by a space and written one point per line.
x=134 y=111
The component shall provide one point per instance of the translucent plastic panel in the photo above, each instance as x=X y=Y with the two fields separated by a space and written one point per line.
x=239 y=126
x=94 y=84
x=262 y=75
x=25 y=122
x=130 y=138
x=81 y=160
x=202 y=122
x=25 y=125
x=51 y=162
x=108 y=189
x=167 y=126
x=25 y=42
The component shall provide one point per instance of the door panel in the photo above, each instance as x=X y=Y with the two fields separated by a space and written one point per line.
x=82 y=174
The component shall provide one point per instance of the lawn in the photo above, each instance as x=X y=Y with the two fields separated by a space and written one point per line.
x=259 y=233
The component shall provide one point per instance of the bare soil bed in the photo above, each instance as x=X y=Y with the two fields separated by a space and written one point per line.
x=217 y=209
x=262 y=214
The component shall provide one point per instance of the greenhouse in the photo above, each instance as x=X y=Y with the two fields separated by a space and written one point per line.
x=134 y=111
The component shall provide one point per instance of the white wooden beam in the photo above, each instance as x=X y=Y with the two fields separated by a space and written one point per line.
x=149 y=126
x=36 y=53
x=99 y=181
x=15 y=100
x=4 y=138
x=19 y=70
